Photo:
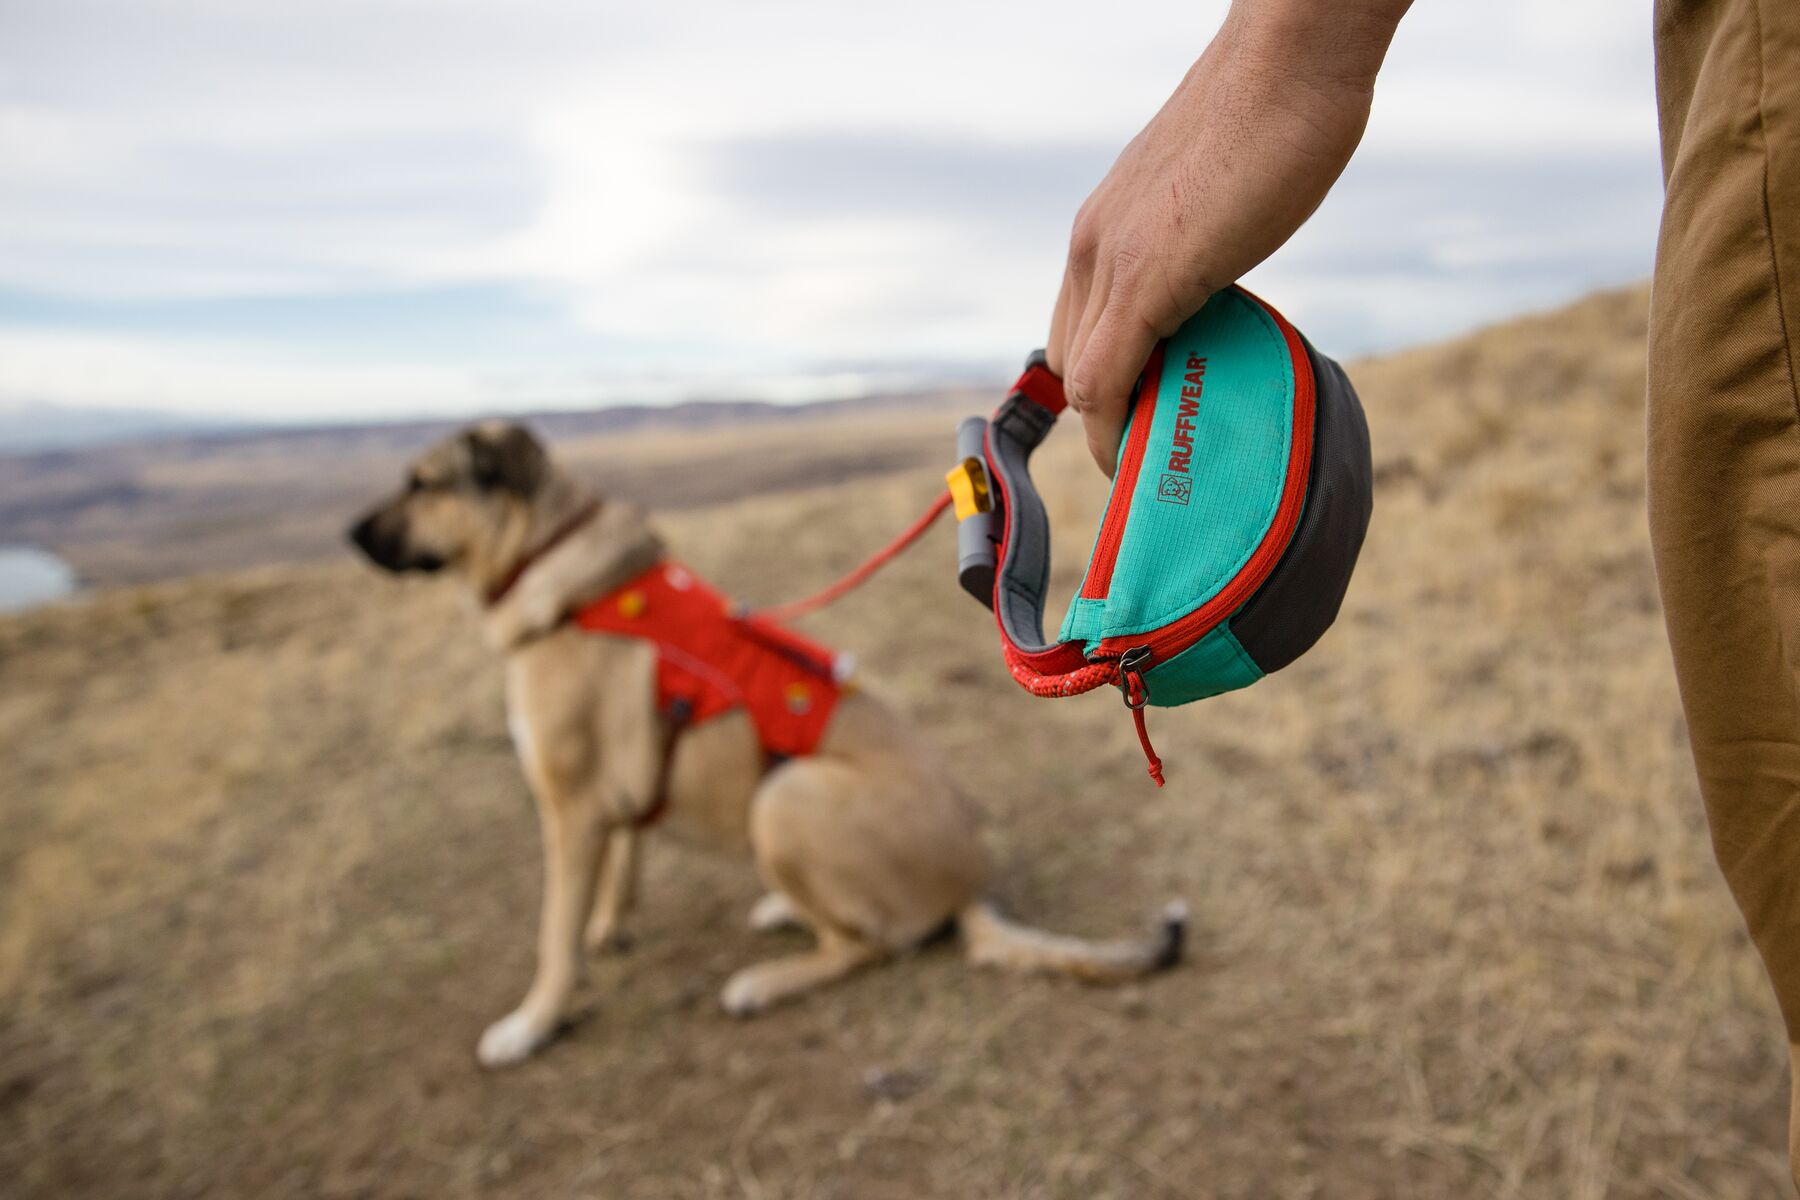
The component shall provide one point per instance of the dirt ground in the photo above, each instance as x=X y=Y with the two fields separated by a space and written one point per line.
x=267 y=867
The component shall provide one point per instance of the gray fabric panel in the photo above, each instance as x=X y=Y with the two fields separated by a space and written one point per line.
x=1024 y=577
x=1299 y=601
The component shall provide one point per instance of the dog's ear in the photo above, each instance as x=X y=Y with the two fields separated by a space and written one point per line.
x=506 y=456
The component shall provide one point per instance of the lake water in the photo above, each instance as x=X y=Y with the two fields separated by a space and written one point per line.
x=31 y=576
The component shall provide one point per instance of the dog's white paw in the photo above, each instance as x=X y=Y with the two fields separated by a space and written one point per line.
x=744 y=994
x=512 y=1039
x=774 y=911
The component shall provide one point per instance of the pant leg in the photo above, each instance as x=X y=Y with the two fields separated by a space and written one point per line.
x=1724 y=441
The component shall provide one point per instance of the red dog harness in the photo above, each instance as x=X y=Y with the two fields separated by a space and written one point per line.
x=712 y=658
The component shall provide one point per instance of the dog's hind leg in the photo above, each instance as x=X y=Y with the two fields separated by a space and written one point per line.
x=757 y=987
x=616 y=893
x=774 y=911
x=867 y=854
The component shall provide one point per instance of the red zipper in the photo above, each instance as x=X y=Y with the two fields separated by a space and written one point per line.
x=1281 y=531
x=1118 y=508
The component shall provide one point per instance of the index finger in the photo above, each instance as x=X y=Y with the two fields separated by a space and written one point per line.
x=1110 y=360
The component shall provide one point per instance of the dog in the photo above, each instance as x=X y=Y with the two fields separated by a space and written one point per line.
x=864 y=841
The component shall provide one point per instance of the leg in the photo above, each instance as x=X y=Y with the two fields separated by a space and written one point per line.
x=755 y=988
x=572 y=843
x=872 y=859
x=1724 y=452
x=774 y=911
x=616 y=892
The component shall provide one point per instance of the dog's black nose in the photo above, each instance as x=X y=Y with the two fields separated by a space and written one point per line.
x=375 y=538
x=362 y=535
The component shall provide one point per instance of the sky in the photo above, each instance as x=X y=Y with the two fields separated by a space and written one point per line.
x=372 y=208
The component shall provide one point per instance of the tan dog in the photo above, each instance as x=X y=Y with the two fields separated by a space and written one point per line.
x=864 y=842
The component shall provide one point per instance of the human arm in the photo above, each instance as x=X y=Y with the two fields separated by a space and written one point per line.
x=1235 y=161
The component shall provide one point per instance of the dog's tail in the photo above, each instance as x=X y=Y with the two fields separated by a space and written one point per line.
x=997 y=941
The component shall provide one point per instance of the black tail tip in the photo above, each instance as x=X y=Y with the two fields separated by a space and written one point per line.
x=1172 y=931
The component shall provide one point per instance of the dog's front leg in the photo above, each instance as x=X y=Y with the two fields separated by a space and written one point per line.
x=573 y=836
x=617 y=890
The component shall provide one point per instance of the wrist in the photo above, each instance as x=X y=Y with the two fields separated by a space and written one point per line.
x=1323 y=45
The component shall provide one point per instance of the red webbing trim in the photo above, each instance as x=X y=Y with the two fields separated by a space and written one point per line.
x=1040 y=386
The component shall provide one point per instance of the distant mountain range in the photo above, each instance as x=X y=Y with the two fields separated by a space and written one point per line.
x=33 y=428
x=28 y=425
x=133 y=500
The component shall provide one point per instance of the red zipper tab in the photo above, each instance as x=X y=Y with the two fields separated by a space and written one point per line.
x=1131 y=682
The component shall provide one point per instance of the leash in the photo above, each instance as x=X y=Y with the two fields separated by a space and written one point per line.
x=675 y=722
x=1126 y=673
x=782 y=613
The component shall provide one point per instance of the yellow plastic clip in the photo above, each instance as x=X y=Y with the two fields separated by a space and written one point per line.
x=969 y=488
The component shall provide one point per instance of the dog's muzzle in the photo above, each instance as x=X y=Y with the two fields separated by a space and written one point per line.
x=381 y=536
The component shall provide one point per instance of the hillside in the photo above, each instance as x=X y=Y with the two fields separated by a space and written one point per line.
x=164 y=508
x=267 y=867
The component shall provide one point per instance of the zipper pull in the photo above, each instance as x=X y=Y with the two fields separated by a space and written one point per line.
x=1131 y=683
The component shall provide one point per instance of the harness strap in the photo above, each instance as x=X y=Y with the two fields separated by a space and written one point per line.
x=755 y=627
x=676 y=719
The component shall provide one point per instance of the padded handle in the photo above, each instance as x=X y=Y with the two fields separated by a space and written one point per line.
x=1021 y=584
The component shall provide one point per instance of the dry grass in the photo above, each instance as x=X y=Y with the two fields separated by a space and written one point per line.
x=266 y=868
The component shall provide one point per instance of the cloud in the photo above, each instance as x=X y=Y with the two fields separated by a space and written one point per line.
x=1433 y=243
x=205 y=219
x=605 y=197
x=241 y=379
x=984 y=185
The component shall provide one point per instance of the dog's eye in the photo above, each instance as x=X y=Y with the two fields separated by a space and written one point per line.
x=414 y=483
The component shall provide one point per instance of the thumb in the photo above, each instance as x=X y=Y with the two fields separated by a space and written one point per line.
x=1104 y=369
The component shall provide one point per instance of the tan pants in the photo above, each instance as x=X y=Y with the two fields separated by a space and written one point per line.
x=1725 y=441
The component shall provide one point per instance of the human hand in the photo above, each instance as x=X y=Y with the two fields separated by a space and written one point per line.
x=1232 y=165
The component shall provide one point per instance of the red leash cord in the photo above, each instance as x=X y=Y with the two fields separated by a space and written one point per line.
x=799 y=608
x=1130 y=681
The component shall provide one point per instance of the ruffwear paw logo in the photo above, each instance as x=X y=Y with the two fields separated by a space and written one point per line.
x=1175 y=488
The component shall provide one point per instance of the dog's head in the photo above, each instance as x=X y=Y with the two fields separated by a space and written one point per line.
x=462 y=501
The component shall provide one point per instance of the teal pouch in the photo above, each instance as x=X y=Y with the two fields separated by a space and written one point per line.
x=1239 y=505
